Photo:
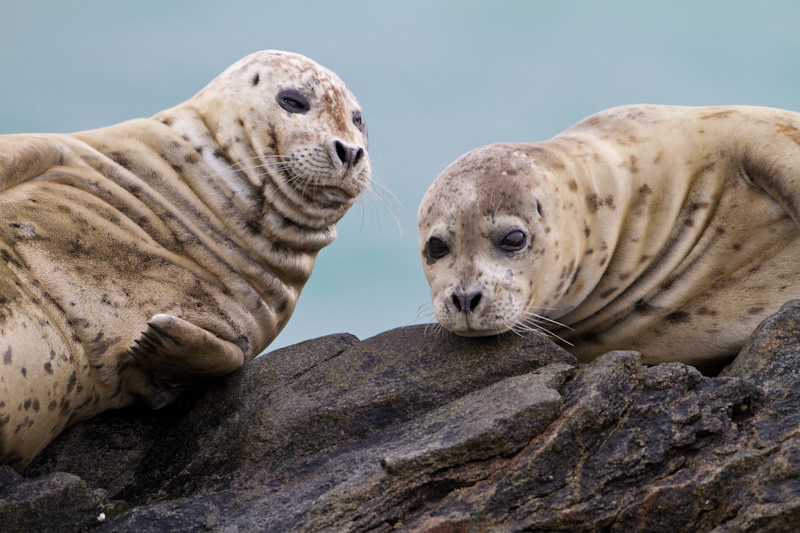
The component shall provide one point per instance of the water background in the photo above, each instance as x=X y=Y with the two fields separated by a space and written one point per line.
x=436 y=79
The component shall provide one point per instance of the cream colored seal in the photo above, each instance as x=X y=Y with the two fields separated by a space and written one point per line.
x=159 y=253
x=668 y=230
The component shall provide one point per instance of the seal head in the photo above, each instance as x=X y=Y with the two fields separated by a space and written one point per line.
x=485 y=238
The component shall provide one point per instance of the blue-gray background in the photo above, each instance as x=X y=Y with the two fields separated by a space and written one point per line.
x=436 y=79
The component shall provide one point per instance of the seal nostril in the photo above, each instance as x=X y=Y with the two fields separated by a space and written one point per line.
x=457 y=302
x=466 y=304
x=341 y=151
x=475 y=299
x=348 y=155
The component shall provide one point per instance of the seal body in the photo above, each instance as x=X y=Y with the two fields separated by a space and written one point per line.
x=672 y=231
x=139 y=259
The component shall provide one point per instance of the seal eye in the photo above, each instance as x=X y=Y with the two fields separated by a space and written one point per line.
x=358 y=120
x=293 y=101
x=437 y=248
x=514 y=241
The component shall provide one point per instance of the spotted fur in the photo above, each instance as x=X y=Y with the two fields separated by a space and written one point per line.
x=668 y=230
x=158 y=253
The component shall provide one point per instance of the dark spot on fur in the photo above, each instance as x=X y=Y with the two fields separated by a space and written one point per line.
x=121 y=159
x=73 y=380
x=48 y=367
x=594 y=202
x=706 y=311
x=641 y=198
x=24 y=372
x=575 y=275
x=678 y=317
x=7 y=356
x=756 y=309
x=737 y=246
x=634 y=168
x=718 y=114
x=243 y=343
x=643 y=307
x=609 y=292
x=256 y=79
x=591 y=338
x=573 y=185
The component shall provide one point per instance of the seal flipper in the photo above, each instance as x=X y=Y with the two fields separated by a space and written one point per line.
x=176 y=350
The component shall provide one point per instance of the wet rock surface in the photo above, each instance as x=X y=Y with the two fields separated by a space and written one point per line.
x=419 y=430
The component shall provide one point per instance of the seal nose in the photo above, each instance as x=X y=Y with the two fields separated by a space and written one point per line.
x=466 y=303
x=348 y=155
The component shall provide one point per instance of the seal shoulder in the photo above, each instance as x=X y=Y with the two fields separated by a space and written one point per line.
x=24 y=157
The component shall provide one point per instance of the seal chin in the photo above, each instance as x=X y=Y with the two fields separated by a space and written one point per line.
x=331 y=196
x=470 y=332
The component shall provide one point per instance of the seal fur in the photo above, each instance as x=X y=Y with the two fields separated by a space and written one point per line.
x=672 y=231
x=139 y=259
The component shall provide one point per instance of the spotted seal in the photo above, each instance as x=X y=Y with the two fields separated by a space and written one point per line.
x=672 y=231
x=159 y=253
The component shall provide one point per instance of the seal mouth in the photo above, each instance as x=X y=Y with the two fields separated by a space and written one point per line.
x=310 y=189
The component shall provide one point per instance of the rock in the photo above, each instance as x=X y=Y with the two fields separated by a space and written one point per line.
x=417 y=430
x=54 y=502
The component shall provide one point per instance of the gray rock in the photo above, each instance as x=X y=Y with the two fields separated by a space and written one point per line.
x=417 y=430
x=54 y=502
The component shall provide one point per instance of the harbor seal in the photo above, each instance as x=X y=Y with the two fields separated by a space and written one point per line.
x=672 y=231
x=159 y=253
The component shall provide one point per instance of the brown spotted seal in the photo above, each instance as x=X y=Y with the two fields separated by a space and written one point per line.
x=162 y=252
x=672 y=231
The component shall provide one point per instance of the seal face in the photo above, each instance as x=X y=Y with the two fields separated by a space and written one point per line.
x=672 y=231
x=139 y=259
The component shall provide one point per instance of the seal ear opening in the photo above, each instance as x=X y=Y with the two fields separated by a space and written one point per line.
x=539 y=209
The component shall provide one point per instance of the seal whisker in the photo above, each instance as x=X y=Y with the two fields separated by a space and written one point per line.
x=374 y=194
x=528 y=325
x=544 y=319
x=437 y=328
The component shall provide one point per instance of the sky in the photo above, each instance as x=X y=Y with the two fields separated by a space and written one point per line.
x=436 y=79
